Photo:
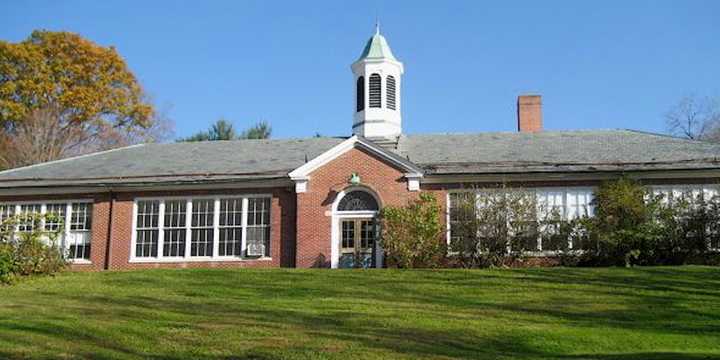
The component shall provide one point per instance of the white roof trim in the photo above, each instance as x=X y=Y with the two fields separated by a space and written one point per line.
x=303 y=172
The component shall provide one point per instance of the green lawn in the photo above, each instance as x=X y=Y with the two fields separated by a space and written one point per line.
x=644 y=313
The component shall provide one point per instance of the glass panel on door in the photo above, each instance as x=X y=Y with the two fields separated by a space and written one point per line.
x=357 y=243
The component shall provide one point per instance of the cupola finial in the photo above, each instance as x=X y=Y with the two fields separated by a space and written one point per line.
x=377 y=26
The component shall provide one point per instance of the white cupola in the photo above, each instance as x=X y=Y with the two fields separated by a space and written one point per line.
x=378 y=84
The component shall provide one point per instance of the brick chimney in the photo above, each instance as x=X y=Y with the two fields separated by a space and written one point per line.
x=529 y=111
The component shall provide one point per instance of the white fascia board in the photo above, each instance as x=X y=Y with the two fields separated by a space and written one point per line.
x=411 y=169
x=303 y=171
x=413 y=175
x=301 y=175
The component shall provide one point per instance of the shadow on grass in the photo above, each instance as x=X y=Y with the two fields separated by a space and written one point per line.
x=646 y=356
x=362 y=308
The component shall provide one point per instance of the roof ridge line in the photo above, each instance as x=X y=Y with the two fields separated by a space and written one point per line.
x=208 y=174
x=514 y=132
x=671 y=136
x=3 y=172
x=339 y=137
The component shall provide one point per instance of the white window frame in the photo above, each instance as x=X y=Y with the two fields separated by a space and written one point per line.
x=243 y=225
x=336 y=216
x=69 y=230
x=186 y=227
x=66 y=222
x=188 y=237
x=672 y=190
x=536 y=191
x=149 y=228
x=668 y=189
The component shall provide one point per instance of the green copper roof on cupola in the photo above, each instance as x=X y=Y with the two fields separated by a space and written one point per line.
x=377 y=47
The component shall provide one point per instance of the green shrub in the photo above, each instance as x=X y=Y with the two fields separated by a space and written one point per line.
x=493 y=227
x=35 y=252
x=412 y=234
x=634 y=227
x=631 y=226
x=7 y=264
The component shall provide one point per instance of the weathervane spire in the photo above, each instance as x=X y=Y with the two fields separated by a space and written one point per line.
x=377 y=26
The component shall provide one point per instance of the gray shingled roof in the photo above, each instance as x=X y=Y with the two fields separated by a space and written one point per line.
x=175 y=162
x=586 y=150
x=551 y=151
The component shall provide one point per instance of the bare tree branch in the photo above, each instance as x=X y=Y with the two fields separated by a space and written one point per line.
x=44 y=135
x=695 y=118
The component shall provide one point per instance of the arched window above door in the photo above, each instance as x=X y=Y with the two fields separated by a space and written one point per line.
x=358 y=200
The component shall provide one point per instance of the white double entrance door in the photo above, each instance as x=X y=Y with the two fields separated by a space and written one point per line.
x=358 y=242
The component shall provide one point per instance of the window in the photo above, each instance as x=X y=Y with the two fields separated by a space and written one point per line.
x=695 y=195
x=202 y=228
x=56 y=216
x=367 y=234
x=231 y=211
x=553 y=206
x=710 y=192
x=6 y=212
x=148 y=229
x=258 y=221
x=174 y=228
x=375 y=91
x=579 y=203
x=28 y=223
x=71 y=221
x=390 y=92
x=691 y=193
x=80 y=231
x=358 y=200
x=360 y=94
x=462 y=207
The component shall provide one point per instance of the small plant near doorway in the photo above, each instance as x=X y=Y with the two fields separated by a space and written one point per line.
x=411 y=235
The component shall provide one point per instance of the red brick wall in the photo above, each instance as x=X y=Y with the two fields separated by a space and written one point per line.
x=301 y=223
x=315 y=205
x=529 y=112
x=282 y=239
x=282 y=233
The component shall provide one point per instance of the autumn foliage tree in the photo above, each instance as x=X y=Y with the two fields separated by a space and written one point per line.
x=61 y=95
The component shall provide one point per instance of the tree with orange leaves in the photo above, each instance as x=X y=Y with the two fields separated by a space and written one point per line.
x=62 y=95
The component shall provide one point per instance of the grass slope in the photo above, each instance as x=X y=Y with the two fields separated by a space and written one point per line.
x=644 y=313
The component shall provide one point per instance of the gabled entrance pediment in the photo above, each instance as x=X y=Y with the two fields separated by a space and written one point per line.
x=412 y=173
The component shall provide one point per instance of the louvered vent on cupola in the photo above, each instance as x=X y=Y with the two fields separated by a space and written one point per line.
x=360 y=94
x=391 y=92
x=375 y=90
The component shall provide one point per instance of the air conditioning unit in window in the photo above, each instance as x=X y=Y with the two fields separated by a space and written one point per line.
x=256 y=249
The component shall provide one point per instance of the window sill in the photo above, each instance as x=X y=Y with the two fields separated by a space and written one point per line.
x=195 y=259
x=551 y=253
x=80 y=262
x=535 y=253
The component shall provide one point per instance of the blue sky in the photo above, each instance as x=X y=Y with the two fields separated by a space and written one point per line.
x=610 y=64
